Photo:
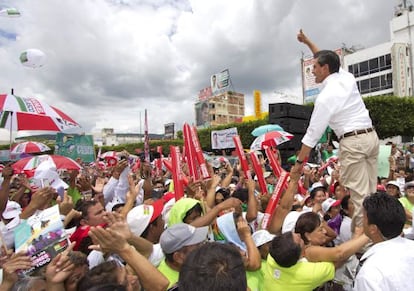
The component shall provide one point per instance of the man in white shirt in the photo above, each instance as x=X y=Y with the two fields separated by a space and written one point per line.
x=387 y=265
x=340 y=106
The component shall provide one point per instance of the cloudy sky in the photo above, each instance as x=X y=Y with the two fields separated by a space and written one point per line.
x=108 y=60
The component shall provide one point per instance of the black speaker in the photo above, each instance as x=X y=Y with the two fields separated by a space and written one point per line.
x=291 y=125
x=281 y=110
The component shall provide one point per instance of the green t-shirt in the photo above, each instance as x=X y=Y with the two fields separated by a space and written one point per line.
x=75 y=194
x=407 y=205
x=303 y=276
x=172 y=275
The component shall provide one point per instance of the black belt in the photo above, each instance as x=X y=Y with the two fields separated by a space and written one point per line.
x=356 y=132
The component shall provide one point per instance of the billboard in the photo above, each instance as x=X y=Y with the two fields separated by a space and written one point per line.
x=223 y=139
x=205 y=93
x=220 y=82
x=201 y=112
x=169 y=131
x=310 y=88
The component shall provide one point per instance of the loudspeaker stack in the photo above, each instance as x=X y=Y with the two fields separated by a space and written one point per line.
x=294 y=119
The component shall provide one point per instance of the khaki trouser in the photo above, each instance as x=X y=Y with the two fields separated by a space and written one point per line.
x=358 y=156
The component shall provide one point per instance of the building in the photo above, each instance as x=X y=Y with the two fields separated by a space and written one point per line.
x=387 y=68
x=225 y=108
x=218 y=103
x=108 y=137
x=384 y=69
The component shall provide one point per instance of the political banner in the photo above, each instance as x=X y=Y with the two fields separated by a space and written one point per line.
x=223 y=139
x=75 y=146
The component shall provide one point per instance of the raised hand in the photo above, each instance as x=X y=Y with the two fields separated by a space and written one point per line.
x=60 y=268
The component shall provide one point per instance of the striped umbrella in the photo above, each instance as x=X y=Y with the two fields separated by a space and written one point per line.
x=29 y=147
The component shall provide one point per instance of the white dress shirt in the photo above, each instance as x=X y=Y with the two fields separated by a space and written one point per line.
x=387 y=266
x=338 y=105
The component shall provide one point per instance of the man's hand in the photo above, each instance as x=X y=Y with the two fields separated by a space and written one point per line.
x=243 y=228
x=60 y=268
x=117 y=223
x=296 y=170
x=66 y=205
x=42 y=197
x=302 y=37
x=19 y=261
x=107 y=240
x=230 y=203
x=7 y=172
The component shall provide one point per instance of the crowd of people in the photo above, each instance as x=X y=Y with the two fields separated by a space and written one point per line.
x=128 y=232
x=335 y=225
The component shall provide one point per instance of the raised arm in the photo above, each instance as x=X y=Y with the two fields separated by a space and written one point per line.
x=285 y=205
x=304 y=39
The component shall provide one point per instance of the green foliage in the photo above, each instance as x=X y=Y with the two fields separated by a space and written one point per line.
x=391 y=115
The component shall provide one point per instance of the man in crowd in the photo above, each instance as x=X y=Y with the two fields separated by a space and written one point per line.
x=387 y=265
x=339 y=105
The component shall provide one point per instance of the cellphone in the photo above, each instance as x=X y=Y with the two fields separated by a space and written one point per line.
x=61 y=192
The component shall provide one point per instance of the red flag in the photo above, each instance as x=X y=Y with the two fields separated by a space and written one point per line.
x=274 y=200
x=274 y=163
x=146 y=138
x=242 y=157
x=189 y=152
x=259 y=172
x=176 y=172
x=195 y=144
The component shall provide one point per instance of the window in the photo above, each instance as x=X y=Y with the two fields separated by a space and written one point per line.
x=388 y=61
x=373 y=65
x=364 y=68
x=365 y=86
x=375 y=84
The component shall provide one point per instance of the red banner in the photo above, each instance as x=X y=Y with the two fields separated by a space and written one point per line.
x=189 y=153
x=274 y=200
x=169 y=167
x=259 y=172
x=274 y=163
x=195 y=145
x=242 y=157
x=177 y=174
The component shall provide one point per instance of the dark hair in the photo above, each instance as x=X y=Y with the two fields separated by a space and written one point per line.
x=330 y=58
x=78 y=258
x=344 y=205
x=242 y=194
x=83 y=207
x=386 y=212
x=284 y=250
x=213 y=267
x=307 y=223
x=315 y=190
x=102 y=274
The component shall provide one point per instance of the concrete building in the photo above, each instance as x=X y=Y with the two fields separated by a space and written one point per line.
x=386 y=68
x=107 y=137
x=225 y=108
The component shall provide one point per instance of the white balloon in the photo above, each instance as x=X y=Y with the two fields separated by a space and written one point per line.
x=33 y=58
x=10 y=12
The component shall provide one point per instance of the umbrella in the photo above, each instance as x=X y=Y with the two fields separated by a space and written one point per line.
x=270 y=139
x=29 y=147
x=31 y=163
x=18 y=113
x=266 y=128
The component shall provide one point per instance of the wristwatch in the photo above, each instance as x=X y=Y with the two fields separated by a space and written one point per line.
x=299 y=161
